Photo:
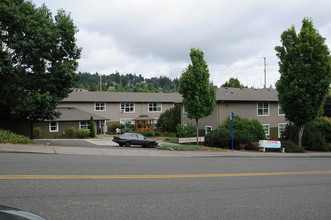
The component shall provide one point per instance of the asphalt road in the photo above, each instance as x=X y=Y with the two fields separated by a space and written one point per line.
x=127 y=188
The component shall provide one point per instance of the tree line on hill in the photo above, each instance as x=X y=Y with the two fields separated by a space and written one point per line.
x=117 y=82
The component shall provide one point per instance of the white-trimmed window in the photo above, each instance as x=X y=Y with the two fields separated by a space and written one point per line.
x=84 y=125
x=127 y=107
x=99 y=106
x=263 y=108
x=154 y=107
x=266 y=128
x=208 y=129
x=280 y=111
x=53 y=127
x=281 y=128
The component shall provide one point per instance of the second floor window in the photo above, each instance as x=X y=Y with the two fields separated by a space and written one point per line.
x=100 y=106
x=262 y=108
x=127 y=107
x=154 y=107
x=280 y=111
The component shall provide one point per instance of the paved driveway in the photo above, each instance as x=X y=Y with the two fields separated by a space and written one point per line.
x=105 y=142
x=77 y=142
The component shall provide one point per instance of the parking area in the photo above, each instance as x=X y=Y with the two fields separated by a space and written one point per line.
x=105 y=142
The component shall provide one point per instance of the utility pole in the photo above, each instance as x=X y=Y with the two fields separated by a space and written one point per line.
x=265 y=72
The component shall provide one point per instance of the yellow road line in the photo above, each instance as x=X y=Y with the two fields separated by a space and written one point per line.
x=49 y=177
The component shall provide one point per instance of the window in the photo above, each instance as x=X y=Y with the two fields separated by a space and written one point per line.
x=281 y=128
x=53 y=127
x=154 y=107
x=84 y=125
x=208 y=129
x=263 y=109
x=266 y=129
x=127 y=107
x=280 y=111
x=124 y=121
x=99 y=106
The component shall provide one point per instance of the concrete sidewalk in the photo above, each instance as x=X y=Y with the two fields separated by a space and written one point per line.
x=146 y=152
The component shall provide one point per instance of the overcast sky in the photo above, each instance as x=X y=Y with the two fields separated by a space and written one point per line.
x=154 y=37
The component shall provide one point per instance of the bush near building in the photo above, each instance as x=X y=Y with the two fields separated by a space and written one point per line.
x=316 y=135
x=112 y=128
x=186 y=130
x=71 y=132
x=36 y=132
x=83 y=133
x=246 y=133
x=10 y=137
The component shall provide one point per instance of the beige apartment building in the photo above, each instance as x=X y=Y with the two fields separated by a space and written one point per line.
x=259 y=104
x=122 y=107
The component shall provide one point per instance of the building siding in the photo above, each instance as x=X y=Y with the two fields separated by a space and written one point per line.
x=113 y=110
x=243 y=109
x=45 y=133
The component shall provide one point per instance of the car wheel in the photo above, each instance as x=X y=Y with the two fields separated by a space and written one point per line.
x=150 y=145
x=127 y=144
x=121 y=145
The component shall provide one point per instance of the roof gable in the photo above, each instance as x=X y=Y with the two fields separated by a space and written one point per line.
x=73 y=114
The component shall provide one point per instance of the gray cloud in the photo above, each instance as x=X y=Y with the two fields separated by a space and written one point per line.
x=155 y=37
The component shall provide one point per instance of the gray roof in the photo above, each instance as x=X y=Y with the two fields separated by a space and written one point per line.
x=244 y=94
x=73 y=114
x=222 y=94
x=122 y=97
x=143 y=118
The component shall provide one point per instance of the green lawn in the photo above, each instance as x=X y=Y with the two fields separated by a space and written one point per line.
x=191 y=148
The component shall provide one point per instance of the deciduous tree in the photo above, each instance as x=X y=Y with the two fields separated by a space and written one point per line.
x=305 y=74
x=233 y=83
x=38 y=60
x=199 y=98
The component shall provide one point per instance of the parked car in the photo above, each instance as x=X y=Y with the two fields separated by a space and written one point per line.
x=129 y=139
x=11 y=213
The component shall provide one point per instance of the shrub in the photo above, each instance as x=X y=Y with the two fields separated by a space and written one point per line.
x=291 y=147
x=169 y=119
x=243 y=125
x=83 y=133
x=113 y=126
x=186 y=130
x=324 y=126
x=71 y=132
x=246 y=132
x=315 y=136
x=37 y=132
x=10 y=137
x=92 y=128
x=219 y=138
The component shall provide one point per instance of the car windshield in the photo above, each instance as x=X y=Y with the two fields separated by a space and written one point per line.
x=126 y=135
x=140 y=136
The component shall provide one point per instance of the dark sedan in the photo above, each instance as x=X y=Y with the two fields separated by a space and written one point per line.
x=129 y=139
